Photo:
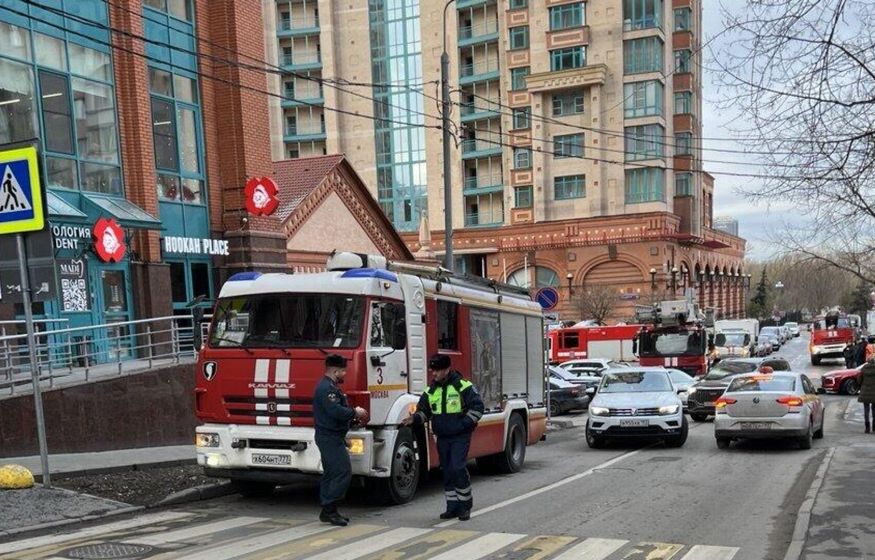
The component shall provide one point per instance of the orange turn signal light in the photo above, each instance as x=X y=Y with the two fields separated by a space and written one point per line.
x=723 y=402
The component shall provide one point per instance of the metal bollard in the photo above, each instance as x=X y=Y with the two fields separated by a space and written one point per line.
x=149 y=343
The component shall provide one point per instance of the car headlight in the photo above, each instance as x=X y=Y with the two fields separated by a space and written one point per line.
x=207 y=440
x=666 y=410
x=598 y=411
x=691 y=390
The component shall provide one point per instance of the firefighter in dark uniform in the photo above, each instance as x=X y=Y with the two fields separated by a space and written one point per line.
x=332 y=416
x=454 y=408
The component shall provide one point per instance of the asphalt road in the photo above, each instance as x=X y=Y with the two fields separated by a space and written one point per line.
x=633 y=501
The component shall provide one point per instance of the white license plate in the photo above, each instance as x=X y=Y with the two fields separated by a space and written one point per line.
x=709 y=403
x=636 y=423
x=756 y=426
x=268 y=459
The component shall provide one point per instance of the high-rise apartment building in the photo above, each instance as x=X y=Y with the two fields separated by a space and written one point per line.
x=577 y=124
x=727 y=224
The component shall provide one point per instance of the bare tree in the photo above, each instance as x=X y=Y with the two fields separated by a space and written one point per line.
x=802 y=72
x=596 y=302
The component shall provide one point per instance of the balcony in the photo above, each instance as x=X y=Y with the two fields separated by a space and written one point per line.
x=478 y=72
x=484 y=210
x=460 y=4
x=306 y=96
x=482 y=32
x=298 y=27
x=302 y=61
x=304 y=133
x=483 y=185
x=473 y=148
x=473 y=112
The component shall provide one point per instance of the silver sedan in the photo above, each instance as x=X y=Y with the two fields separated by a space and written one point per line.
x=773 y=405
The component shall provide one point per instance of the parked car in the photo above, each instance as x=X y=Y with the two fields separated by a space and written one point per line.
x=565 y=397
x=636 y=402
x=585 y=381
x=794 y=328
x=592 y=365
x=842 y=381
x=708 y=389
x=773 y=331
x=778 y=405
x=763 y=347
x=772 y=340
x=682 y=382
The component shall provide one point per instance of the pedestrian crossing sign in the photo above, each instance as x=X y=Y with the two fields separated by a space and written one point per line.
x=21 y=197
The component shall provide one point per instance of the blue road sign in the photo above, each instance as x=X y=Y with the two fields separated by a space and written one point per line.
x=21 y=199
x=547 y=298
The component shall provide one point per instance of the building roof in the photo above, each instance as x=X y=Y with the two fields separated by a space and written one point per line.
x=298 y=178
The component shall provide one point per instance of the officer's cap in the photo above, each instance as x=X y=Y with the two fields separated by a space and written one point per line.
x=439 y=361
x=333 y=360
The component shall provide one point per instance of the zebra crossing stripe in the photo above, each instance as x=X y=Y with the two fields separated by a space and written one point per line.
x=542 y=546
x=371 y=545
x=258 y=543
x=703 y=552
x=197 y=531
x=592 y=549
x=653 y=551
x=480 y=547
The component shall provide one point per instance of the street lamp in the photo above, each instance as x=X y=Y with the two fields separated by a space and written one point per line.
x=779 y=285
x=569 y=277
x=445 y=124
x=674 y=274
x=652 y=280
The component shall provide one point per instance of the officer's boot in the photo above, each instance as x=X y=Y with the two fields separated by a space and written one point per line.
x=452 y=510
x=465 y=510
x=329 y=515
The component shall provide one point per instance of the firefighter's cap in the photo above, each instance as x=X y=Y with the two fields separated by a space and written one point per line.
x=336 y=361
x=438 y=362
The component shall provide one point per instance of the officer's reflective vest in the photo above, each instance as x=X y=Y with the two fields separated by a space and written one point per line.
x=454 y=397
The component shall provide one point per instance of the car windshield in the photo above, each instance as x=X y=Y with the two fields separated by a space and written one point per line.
x=773 y=383
x=679 y=377
x=728 y=368
x=769 y=330
x=635 y=382
x=731 y=339
x=683 y=343
x=288 y=321
x=791 y=325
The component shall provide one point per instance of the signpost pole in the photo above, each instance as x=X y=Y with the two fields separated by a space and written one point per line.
x=34 y=365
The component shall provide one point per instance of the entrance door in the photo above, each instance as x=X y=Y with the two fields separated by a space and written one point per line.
x=112 y=305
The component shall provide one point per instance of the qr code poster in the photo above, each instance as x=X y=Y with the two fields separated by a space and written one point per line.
x=75 y=295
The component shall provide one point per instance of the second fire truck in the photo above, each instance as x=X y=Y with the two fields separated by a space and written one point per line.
x=673 y=335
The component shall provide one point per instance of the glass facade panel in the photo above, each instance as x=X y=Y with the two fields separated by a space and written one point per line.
x=567 y=146
x=570 y=186
x=100 y=178
x=523 y=197
x=646 y=184
x=61 y=173
x=17 y=111
x=643 y=99
x=160 y=81
x=57 y=120
x=49 y=52
x=641 y=14
x=94 y=108
x=188 y=141
x=565 y=59
x=14 y=41
x=568 y=103
x=89 y=63
x=683 y=184
x=644 y=142
x=164 y=135
x=683 y=19
x=567 y=16
x=642 y=55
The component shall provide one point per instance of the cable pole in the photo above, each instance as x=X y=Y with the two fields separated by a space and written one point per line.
x=445 y=124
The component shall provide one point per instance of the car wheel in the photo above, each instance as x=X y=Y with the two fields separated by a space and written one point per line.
x=819 y=433
x=514 y=455
x=554 y=408
x=723 y=442
x=805 y=441
x=592 y=440
x=253 y=488
x=698 y=416
x=850 y=387
x=680 y=439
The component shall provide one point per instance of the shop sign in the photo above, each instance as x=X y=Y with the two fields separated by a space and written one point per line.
x=68 y=237
x=261 y=196
x=109 y=240
x=75 y=295
x=195 y=246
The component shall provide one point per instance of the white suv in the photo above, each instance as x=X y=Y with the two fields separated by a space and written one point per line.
x=636 y=402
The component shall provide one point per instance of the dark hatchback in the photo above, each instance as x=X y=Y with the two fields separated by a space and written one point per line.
x=708 y=389
x=565 y=397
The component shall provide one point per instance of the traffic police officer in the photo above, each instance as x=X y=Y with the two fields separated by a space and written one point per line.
x=332 y=416
x=454 y=408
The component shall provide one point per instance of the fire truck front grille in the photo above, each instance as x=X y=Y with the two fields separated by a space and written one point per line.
x=251 y=407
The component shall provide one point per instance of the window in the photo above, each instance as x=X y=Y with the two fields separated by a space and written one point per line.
x=683 y=102
x=518 y=78
x=643 y=99
x=683 y=61
x=644 y=142
x=568 y=103
x=523 y=197
x=642 y=55
x=177 y=8
x=522 y=118
x=641 y=14
x=645 y=184
x=567 y=146
x=565 y=59
x=519 y=37
x=448 y=324
x=571 y=186
x=57 y=118
x=683 y=143
x=683 y=19
x=683 y=184
x=388 y=326
x=522 y=158
x=566 y=16
x=517 y=4
x=542 y=275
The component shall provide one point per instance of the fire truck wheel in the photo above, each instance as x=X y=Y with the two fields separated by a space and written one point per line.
x=698 y=416
x=254 y=488
x=400 y=486
x=514 y=455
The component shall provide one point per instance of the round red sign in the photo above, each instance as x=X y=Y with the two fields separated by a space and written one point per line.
x=109 y=240
x=261 y=196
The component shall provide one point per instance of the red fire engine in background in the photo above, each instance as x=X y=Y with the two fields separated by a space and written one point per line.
x=673 y=335
x=266 y=349
x=614 y=343
x=831 y=334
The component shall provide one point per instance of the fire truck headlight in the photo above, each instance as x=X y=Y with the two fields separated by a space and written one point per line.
x=599 y=411
x=207 y=440
x=356 y=446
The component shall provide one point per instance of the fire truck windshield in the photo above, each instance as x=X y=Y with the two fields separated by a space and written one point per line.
x=288 y=321
x=683 y=343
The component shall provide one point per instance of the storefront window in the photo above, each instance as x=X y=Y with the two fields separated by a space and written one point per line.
x=177 y=282
x=17 y=115
x=200 y=280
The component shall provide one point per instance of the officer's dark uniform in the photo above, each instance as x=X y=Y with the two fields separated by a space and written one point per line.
x=454 y=408
x=332 y=416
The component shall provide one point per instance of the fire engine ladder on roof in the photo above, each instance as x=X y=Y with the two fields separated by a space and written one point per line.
x=441 y=274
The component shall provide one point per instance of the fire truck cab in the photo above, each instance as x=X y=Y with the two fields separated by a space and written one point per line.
x=270 y=334
x=674 y=335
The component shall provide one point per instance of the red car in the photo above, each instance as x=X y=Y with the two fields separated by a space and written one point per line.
x=843 y=381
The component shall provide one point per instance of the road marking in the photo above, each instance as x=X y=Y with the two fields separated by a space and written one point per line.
x=702 y=552
x=480 y=547
x=261 y=542
x=543 y=489
x=149 y=519
x=371 y=545
x=592 y=549
x=653 y=551
x=427 y=546
x=538 y=548
x=197 y=531
x=335 y=536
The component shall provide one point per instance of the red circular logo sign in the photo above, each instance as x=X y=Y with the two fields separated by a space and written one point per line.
x=261 y=197
x=109 y=240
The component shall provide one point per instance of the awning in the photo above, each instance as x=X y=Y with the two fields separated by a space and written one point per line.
x=60 y=208
x=126 y=212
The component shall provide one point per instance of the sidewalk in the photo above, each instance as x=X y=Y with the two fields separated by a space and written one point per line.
x=68 y=463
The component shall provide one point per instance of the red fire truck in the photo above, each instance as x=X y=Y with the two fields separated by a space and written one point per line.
x=267 y=344
x=614 y=342
x=830 y=335
x=673 y=335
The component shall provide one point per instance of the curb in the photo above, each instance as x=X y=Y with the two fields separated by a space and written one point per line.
x=63 y=522
x=198 y=493
x=555 y=425
x=803 y=516
x=122 y=468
